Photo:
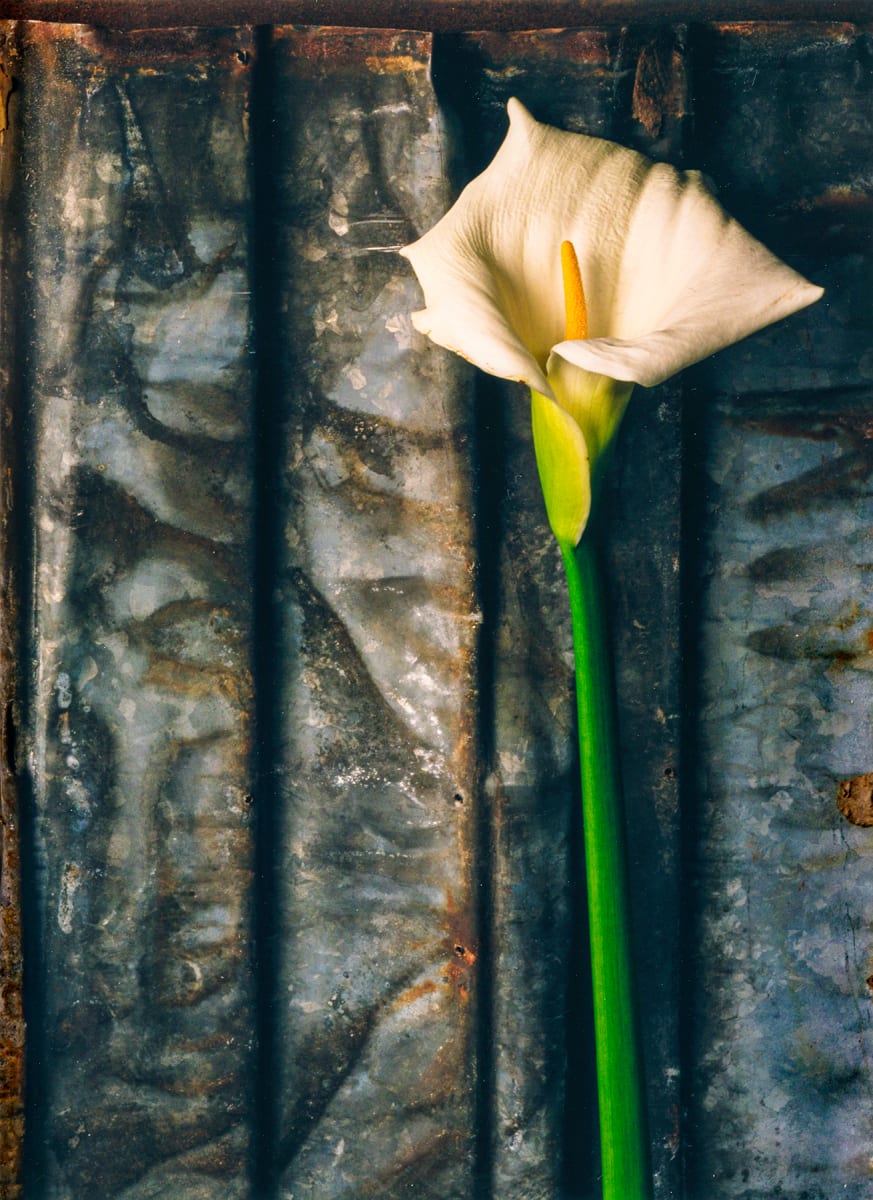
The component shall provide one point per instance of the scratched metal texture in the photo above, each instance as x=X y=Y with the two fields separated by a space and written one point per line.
x=375 y=555
x=782 y=1016
x=12 y=1027
x=139 y=692
x=376 y=996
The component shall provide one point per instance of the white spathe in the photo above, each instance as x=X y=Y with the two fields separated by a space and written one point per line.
x=669 y=277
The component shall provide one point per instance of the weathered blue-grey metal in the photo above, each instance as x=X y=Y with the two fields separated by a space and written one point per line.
x=12 y=1025
x=785 y=939
x=377 y=768
x=136 y=313
x=346 y=563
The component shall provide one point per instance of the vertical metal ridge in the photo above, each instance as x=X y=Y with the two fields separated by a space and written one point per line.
x=138 y=660
x=266 y=534
x=454 y=84
x=12 y=506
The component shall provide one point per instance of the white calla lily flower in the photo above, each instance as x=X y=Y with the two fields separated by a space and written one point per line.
x=669 y=278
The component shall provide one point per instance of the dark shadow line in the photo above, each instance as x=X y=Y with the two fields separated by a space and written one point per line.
x=456 y=85
x=489 y=467
x=22 y=546
x=266 y=537
x=693 y=506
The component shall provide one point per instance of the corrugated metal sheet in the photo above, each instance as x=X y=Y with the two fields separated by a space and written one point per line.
x=291 y=676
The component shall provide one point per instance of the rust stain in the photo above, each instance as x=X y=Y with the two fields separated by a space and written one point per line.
x=742 y=28
x=6 y=87
x=794 y=31
x=792 y=642
x=196 y=681
x=394 y=64
x=316 y=47
x=457 y=969
x=800 y=420
x=142 y=50
x=839 y=195
x=427 y=988
x=50 y=32
x=660 y=89
x=504 y=50
x=11 y=1081
x=460 y=957
x=855 y=799
x=849 y=617
x=674 y=1141
x=12 y=1026
x=465 y=955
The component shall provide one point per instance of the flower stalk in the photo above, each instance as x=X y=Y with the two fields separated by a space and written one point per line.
x=564 y=437
x=624 y=1137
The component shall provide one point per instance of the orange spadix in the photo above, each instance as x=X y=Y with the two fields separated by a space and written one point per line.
x=575 y=309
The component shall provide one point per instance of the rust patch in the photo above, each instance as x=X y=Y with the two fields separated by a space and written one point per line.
x=427 y=988
x=839 y=196
x=142 y=49
x=591 y=46
x=394 y=64
x=782 y=31
x=385 y=52
x=460 y=957
x=6 y=86
x=799 y=420
x=660 y=90
x=465 y=955
x=855 y=800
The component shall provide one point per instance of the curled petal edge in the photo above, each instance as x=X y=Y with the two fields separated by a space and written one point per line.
x=657 y=356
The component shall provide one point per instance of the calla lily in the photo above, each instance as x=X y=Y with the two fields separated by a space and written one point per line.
x=669 y=278
x=581 y=268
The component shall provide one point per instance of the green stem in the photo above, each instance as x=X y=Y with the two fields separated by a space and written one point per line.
x=620 y=1086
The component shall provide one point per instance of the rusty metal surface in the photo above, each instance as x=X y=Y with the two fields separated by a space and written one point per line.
x=786 y=934
x=138 y=735
x=436 y=15
x=378 y=958
x=12 y=1029
x=420 y=1011
x=783 y=1007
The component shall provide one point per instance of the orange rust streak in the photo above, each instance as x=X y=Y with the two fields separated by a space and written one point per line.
x=427 y=988
x=575 y=308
